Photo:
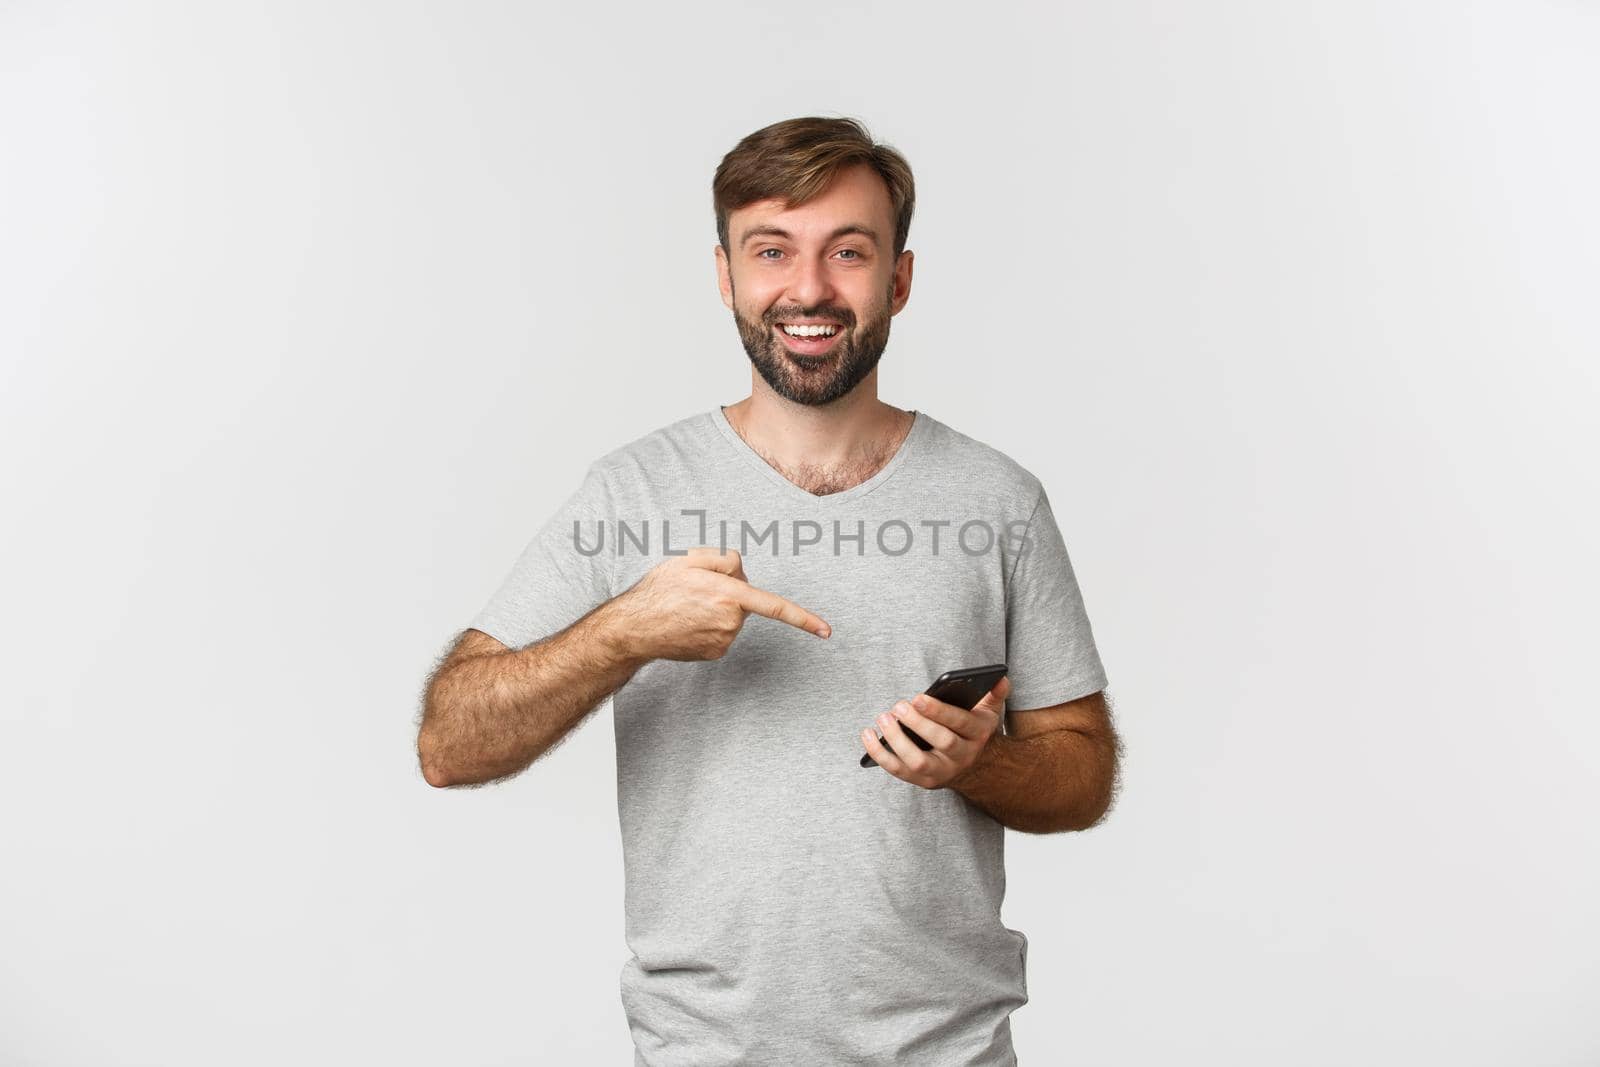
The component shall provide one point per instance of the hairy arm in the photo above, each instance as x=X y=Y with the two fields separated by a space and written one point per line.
x=1055 y=768
x=491 y=711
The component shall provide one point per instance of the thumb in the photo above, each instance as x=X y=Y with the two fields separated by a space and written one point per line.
x=995 y=699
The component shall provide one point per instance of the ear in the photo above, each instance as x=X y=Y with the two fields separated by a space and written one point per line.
x=724 y=277
x=902 y=282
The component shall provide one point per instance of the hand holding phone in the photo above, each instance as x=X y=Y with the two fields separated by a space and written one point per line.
x=963 y=688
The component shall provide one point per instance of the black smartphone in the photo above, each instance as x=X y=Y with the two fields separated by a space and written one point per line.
x=963 y=688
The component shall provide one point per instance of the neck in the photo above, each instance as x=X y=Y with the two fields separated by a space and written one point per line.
x=792 y=436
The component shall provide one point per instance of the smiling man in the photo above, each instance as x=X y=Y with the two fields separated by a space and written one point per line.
x=815 y=358
x=783 y=904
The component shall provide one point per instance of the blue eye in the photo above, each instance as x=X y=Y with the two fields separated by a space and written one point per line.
x=852 y=251
x=763 y=253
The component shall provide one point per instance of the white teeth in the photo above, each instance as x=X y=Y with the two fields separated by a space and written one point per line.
x=810 y=331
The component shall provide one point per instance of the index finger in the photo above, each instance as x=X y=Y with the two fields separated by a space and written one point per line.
x=722 y=560
x=774 y=606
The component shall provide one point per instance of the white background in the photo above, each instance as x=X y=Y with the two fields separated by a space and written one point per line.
x=310 y=315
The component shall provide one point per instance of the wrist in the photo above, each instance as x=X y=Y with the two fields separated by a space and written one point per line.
x=974 y=774
x=616 y=633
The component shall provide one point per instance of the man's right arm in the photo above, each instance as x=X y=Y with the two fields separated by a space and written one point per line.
x=491 y=711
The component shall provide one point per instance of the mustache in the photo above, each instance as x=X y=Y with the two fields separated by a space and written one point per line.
x=789 y=314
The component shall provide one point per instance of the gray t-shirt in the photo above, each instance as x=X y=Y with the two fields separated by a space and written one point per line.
x=783 y=904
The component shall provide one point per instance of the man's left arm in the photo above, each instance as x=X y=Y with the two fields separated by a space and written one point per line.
x=1054 y=769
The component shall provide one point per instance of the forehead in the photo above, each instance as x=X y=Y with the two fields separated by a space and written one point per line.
x=857 y=195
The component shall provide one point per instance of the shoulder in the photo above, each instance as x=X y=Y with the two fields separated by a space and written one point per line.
x=983 y=468
x=661 y=448
x=661 y=443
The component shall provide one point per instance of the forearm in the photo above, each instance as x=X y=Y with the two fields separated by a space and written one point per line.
x=1045 y=783
x=491 y=716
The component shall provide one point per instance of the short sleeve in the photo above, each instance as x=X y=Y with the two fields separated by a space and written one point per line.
x=1051 y=656
x=562 y=574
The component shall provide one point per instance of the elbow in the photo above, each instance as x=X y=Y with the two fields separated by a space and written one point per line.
x=1077 y=823
x=1090 y=815
x=1105 y=799
x=434 y=771
x=1095 y=819
x=1106 y=783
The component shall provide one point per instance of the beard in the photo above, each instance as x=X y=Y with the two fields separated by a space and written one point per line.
x=815 y=380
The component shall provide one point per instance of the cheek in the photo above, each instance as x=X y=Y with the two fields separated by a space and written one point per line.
x=749 y=310
x=754 y=302
x=872 y=298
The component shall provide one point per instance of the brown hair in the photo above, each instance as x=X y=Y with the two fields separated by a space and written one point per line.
x=795 y=160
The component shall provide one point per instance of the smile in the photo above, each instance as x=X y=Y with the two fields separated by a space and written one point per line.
x=809 y=339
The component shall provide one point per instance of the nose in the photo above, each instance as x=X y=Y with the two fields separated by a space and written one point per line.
x=809 y=285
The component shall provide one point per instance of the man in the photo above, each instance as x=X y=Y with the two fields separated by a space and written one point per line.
x=785 y=905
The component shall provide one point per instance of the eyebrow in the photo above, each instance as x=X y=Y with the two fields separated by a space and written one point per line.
x=775 y=231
